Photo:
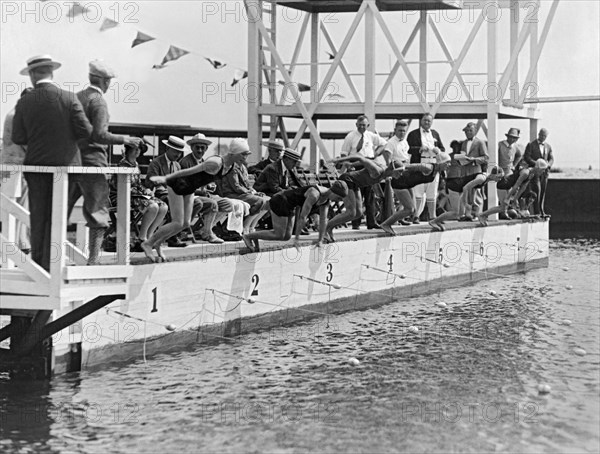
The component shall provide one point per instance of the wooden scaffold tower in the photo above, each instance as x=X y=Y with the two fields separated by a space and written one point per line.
x=506 y=91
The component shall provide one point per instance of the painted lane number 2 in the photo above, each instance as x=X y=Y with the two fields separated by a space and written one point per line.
x=255 y=281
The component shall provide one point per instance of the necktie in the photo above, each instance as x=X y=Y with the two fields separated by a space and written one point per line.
x=170 y=166
x=360 y=143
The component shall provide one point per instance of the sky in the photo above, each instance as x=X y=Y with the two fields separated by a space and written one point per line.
x=189 y=91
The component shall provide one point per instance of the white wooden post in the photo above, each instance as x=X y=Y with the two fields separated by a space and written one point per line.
x=423 y=52
x=11 y=188
x=492 y=95
x=254 y=91
x=123 y=218
x=370 y=60
x=314 y=83
x=58 y=235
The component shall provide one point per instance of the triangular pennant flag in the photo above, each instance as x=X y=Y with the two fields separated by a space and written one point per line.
x=141 y=38
x=239 y=75
x=108 y=23
x=216 y=63
x=158 y=66
x=76 y=10
x=331 y=56
x=301 y=87
x=173 y=54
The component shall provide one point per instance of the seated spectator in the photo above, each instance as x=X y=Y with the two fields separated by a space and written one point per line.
x=284 y=205
x=154 y=210
x=274 y=149
x=279 y=175
x=212 y=208
x=236 y=185
x=164 y=165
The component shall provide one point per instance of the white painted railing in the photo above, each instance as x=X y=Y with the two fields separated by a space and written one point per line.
x=21 y=276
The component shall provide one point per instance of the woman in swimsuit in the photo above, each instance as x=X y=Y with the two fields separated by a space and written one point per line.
x=467 y=197
x=413 y=175
x=182 y=185
x=286 y=203
x=519 y=191
x=371 y=173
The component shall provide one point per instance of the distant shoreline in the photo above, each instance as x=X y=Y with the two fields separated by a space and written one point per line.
x=568 y=173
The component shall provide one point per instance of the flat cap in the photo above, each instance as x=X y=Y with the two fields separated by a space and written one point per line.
x=101 y=69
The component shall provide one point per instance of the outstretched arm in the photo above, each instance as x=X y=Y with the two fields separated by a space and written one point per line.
x=210 y=166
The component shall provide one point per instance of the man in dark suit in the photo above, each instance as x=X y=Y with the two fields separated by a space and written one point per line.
x=539 y=149
x=424 y=144
x=279 y=175
x=49 y=121
x=274 y=149
x=163 y=165
x=94 y=153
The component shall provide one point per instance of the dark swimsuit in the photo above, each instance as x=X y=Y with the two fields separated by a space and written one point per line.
x=408 y=179
x=285 y=202
x=359 y=179
x=458 y=184
x=188 y=185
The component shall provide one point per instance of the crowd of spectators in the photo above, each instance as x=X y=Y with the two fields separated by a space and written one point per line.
x=218 y=198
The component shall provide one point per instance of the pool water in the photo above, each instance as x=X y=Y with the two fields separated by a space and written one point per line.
x=429 y=378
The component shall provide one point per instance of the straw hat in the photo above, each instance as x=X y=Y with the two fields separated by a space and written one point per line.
x=39 y=60
x=175 y=142
x=199 y=138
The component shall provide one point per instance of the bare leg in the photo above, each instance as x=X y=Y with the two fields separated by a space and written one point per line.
x=147 y=219
x=177 y=205
x=160 y=217
x=405 y=198
x=353 y=210
x=282 y=228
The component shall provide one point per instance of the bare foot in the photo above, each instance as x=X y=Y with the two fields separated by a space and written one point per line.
x=388 y=229
x=436 y=226
x=147 y=248
x=328 y=237
x=248 y=242
x=483 y=220
x=160 y=253
x=256 y=245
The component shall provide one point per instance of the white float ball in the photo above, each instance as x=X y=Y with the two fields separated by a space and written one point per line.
x=544 y=389
x=567 y=322
x=441 y=304
x=569 y=287
x=493 y=293
x=170 y=327
x=579 y=351
x=413 y=329
x=353 y=362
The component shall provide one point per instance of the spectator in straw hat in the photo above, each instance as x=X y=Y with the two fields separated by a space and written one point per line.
x=274 y=149
x=212 y=208
x=49 y=121
x=280 y=174
x=94 y=153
